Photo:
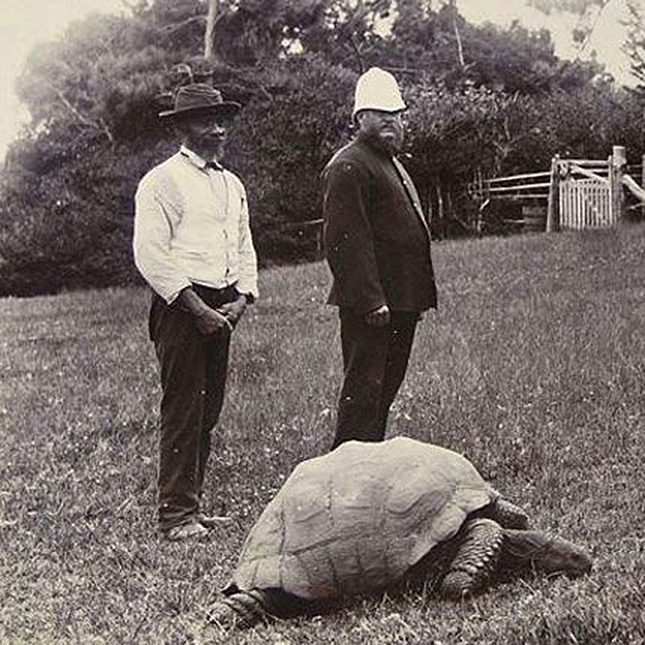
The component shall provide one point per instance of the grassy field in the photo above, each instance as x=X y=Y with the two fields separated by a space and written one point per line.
x=534 y=366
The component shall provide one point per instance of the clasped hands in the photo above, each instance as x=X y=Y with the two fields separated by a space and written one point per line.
x=210 y=321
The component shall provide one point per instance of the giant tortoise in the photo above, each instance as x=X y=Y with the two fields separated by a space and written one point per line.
x=362 y=516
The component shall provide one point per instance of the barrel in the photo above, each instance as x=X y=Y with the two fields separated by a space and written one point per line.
x=534 y=218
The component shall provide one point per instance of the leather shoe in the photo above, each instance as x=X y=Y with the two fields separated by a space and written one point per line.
x=211 y=521
x=189 y=531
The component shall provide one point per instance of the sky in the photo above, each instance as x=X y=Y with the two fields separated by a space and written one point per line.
x=24 y=23
x=607 y=37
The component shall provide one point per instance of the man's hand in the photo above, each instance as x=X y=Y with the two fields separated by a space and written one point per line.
x=379 y=317
x=209 y=321
x=233 y=311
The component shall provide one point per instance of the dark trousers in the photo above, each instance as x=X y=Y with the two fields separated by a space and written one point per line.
x=375 y=360
x=193 y=379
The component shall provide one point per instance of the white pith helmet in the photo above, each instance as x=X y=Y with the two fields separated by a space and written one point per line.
x=377 y=89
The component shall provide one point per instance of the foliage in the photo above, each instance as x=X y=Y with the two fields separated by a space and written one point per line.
x=100 y=80
x=455 y=134
x=519 y=60
x=78 y=228
x=586 y=12
x=293 y=136
x=512 y=59
x=635 y=44
x=586 y=124
x=571 y=6
x=259 y=31
x=548 y=408
x=347 y=33
x=483 y=99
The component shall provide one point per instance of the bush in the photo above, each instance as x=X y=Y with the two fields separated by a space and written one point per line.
x=280 y=147
x=73 y=227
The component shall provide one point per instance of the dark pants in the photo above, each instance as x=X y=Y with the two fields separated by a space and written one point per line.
x=193 y=379
x=375 y=360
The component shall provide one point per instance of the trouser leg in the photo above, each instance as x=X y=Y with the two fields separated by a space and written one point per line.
x=402 y=328
x=364 y=350
x=183 y=382
x=375 y=360
x=216 y=371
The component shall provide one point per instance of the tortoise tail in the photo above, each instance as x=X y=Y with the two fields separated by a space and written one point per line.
x=241 y=610
x=476 y=559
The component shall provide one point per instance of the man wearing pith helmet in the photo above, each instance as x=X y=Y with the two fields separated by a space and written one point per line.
x=377 y=244
x=192 y=244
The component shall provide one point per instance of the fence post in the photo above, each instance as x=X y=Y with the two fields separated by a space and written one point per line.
x=320 y=241
x=616 y=169
x=553 y=208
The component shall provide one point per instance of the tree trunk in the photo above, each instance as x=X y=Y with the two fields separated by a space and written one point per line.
x=209 y=37
x=455 y=26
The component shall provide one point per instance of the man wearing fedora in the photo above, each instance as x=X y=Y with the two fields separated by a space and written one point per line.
x=377 y=244
x=193 y=246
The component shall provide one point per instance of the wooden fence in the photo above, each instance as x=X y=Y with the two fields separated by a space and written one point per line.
x=530 y=189
x=573 y=194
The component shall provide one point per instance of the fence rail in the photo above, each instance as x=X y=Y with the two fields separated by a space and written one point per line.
x=579 y=193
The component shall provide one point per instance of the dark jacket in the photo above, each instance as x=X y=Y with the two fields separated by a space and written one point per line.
x=376 y=236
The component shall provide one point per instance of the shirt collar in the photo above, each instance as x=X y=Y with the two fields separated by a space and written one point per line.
x=198 y=161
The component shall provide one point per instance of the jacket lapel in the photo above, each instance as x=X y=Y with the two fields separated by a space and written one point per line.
x=412 y=191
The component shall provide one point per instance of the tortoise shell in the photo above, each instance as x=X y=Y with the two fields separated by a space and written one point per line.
x=358 y=518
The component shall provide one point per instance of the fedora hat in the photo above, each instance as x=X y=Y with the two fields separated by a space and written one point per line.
x=377 y=89
x=199 y=98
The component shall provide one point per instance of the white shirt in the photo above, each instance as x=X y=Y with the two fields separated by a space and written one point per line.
x=191 y=225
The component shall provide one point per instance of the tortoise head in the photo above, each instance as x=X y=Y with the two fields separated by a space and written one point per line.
x=547 y=553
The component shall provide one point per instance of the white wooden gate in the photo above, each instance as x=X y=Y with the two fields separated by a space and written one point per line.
x=586 y=203
x=586 y=193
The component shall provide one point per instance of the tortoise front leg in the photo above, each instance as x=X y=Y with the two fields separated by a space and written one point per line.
x=476 y=559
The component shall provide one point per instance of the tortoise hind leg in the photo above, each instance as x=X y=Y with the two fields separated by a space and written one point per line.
x=476 y=559
x=244 y=609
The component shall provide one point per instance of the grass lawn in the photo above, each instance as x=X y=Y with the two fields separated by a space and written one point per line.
x=533 y=366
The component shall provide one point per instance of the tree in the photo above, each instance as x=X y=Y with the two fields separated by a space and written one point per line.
x=635 y=43
x=209 y=34
x=345 y=32
x=588 y=13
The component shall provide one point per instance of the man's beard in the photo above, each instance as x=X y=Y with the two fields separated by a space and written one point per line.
x=395 y=144
x=392 y=145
